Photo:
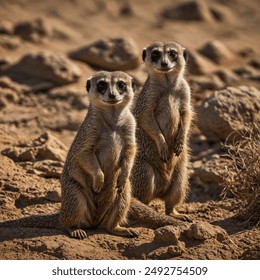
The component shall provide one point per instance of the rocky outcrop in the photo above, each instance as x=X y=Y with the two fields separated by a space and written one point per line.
x=109 y=54
x=228 y=111
x=43 y=70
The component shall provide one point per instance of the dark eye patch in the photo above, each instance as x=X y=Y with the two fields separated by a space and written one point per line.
x=173 y=54
x=121 y=85
x=102 y=87
x=155 y=55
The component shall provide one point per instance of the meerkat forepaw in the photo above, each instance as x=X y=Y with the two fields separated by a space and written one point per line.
x=162 y=148
x=164 y=152
x=178 y=147
x=98 y=182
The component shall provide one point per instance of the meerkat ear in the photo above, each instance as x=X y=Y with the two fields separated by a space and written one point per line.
x=133 y=85
x=88 y=85
x=185 y=54
x=144 y=54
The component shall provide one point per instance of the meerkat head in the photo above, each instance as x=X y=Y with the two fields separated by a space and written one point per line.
x=110 y=89
x=165 y=58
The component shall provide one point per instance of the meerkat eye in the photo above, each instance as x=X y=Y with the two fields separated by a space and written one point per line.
x=155 y=55
x=173 y=54
x=102 y=86
x=121 y=85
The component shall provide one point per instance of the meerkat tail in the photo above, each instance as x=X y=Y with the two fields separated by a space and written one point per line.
x=35 y=221
x=139 y=213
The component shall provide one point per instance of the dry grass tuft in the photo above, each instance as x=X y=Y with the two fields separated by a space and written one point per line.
x=242 y=176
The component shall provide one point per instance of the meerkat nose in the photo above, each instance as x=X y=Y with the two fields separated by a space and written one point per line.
x=164 y=63
x=111 y=95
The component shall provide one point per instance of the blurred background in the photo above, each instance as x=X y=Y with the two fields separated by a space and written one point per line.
x=220 y=35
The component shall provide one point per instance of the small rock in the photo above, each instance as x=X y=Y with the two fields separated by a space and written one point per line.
x=126 y=10
x=226 y=112
x=45 y=66
x=48 y=168
x=167 y=234
x=11 y=188
x=227 y=76
x=174 y=250
x=247 y=72
x=204 y=230
x=49 y=147
x=199 y=65
x=44 y=147
x=252 y=253
x=210 y=171
x=255 y=63
x=188 y=11
x=159 y=254
x=202 y=83
x=53 y=196
x=246 y=52
x=109 y=54
x=74 y=96
x=10 y=92
x=10 y=42
x=6 y=27
x=34 y=31
x=217 y=52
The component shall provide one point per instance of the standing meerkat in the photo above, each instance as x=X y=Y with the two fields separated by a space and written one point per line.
x=96 y=190
x=163 y=113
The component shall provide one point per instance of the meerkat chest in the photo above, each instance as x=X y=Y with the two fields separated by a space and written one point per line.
x=167 y=115
x=110 y=146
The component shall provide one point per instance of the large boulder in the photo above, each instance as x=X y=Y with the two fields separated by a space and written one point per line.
x=109 y=54
x=194 y=10
x=45 y=67
x=229 y=111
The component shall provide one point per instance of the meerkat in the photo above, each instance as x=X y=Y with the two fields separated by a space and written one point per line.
x=96 y=173
x=95 y=185
x=163 y=113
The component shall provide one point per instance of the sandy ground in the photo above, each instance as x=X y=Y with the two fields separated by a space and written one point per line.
x=30 y=184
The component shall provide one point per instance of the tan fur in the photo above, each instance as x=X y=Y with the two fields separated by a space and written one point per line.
x=163 y=113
